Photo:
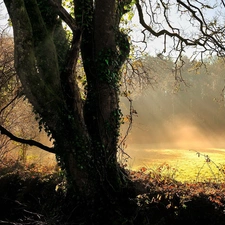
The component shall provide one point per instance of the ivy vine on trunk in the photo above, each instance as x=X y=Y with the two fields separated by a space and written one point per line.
x=85 y=132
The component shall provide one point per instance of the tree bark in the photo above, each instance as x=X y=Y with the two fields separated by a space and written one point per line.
x=85 y=132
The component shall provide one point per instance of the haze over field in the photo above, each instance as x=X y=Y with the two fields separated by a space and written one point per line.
x=176 y=139
x=191 y=117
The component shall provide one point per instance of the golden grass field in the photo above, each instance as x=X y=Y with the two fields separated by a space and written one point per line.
x=185 y=165
x=182 y=164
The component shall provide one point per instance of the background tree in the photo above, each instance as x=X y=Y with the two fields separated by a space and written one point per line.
x=191 y=110
x=85 y=131
x=8 y=88
x=15 y=112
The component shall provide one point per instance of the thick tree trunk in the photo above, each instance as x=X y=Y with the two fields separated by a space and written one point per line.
x=92 y=175
x=85 y=133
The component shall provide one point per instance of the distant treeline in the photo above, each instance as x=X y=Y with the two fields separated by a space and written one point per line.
x=191 y=93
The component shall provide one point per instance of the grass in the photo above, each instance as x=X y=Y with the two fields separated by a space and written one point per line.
x=184 y=165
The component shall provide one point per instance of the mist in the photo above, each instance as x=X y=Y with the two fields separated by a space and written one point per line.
x=191 y=118
x=195 y=128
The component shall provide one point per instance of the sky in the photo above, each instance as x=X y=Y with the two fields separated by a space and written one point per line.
x=156 y=45
x=3 y=14
x=4 y=20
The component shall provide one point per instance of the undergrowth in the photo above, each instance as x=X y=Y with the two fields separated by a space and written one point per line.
x=31 y=194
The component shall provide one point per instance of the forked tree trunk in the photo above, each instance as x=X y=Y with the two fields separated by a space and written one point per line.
x=86 y=132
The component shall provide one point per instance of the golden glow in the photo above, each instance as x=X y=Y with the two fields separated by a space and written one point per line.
x=167 y=130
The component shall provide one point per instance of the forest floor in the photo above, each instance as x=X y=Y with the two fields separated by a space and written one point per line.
x=31 y=195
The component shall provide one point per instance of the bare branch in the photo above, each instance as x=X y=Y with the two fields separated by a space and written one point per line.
x=223 y=3
x=202 y=23
x=10 y=102
x=208 y=37
x=64 y=15
x=25 y=141
x=163 y=31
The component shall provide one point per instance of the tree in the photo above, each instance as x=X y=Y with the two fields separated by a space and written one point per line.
x=86 y=131
x=15 y=112
x=8 y=88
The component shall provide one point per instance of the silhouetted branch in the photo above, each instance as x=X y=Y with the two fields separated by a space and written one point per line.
x=25 y=141
x=9 y=103
x=163 y=31
x=203 y=25
x=64 y=15
x=208 y=37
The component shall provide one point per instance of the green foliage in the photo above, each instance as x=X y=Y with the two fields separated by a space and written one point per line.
x=68 y=4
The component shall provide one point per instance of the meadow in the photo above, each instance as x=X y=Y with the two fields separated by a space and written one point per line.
x=181 y=164
x=185 y=165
